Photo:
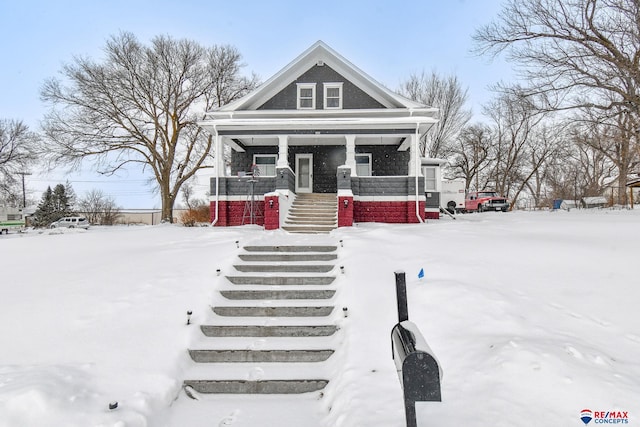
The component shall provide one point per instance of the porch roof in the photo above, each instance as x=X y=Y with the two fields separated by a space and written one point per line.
x=369 y=121
x=634 y=183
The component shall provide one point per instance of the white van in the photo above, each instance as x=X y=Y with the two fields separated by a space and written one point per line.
x=71 y=222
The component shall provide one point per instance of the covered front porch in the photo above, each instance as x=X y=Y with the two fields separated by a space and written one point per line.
x=369 y=159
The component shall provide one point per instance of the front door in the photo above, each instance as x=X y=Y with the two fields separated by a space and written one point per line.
x=304 y=173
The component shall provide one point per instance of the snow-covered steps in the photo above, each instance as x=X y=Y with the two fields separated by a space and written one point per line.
x=312 y=213
x=281 y=280
x=257 y=387
x=287 y=311
x=287 y=257
x=267 y=356
x=271 y=328
x=308 y=229
x=268 y=331
x=291 y=248
x=284 y=268
x=278 y=294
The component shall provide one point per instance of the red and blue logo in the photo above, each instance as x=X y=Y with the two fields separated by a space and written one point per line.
x=604 y=417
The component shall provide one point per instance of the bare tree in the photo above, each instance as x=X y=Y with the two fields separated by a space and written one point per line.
x=99 y=208
x=514 y=119
x=581 y=170
x=510 y=154
x=611 y=137
x=545 y=146
x=140 y=105
x=17 y=153
x=578 y=54
x=446 y=94
x=471 y=154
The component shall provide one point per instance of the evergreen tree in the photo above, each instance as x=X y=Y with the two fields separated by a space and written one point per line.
x=54 y=205
x=44 y=214
x=61 y=200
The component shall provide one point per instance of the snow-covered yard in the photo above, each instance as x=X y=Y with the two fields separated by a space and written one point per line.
x=533 y=316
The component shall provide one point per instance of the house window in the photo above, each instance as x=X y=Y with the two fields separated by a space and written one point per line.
x=430 y=179
x=363 y=164
x=306 y=96
x=266 y=164
x=333 y=96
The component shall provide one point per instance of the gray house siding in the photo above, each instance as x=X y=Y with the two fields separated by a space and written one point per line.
x=385 y=186
x=241 y=162
x=386 y=160
x=234 y=186
x=433 y=199
x=326 y=160
x=352 y=96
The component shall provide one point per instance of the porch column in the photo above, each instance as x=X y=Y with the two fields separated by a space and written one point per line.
x=283 y=151
x=414 y=157
x=219 y=165
x=351 y=153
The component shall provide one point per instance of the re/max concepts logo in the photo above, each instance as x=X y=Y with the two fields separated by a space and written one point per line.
x=604 y=417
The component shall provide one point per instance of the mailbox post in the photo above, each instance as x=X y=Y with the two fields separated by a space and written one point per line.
x=418 y=369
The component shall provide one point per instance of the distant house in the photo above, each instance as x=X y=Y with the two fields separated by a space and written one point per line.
x=321 y=125
x=594 y=202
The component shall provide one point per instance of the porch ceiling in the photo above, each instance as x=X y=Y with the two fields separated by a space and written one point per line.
x=321 y=140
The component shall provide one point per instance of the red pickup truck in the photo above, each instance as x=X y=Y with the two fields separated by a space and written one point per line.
x=481 y=201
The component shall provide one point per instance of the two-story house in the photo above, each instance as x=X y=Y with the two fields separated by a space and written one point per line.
x=320 y=125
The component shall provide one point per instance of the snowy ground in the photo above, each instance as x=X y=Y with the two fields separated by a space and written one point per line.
x=533 y=316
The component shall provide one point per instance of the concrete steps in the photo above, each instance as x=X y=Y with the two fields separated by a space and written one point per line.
x=273 y=311
x=256 y=387
x=283 y=268
x=278 y=294
x=261 y=331
x=312 y=213
x=268 y=331
x=268 y=356
x=287 y=257
x=281 y=280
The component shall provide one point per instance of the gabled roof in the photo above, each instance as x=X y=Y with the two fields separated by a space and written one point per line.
x=320 y=53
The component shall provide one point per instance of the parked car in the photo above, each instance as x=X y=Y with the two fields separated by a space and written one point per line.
x=71 y=222
x=481 y=201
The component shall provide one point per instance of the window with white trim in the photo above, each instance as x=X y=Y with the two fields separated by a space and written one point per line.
x=363 y=164
x=430 y=179
x=333 y=96
x=265 y=163
x=306 y=96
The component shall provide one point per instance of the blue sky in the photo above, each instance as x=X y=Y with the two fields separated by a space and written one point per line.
x=387 y=40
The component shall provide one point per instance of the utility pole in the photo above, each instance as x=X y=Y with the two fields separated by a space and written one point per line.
x=24 y=193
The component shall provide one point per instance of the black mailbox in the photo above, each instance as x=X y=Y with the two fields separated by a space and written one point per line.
x=418 y=369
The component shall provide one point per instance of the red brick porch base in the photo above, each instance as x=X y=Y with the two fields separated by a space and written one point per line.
x=271 y=212
x=345 y=211
x=389 y=212
x=432 y=215
x=230 y=212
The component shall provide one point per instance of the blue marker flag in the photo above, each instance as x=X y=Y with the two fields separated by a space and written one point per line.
x=421 y=274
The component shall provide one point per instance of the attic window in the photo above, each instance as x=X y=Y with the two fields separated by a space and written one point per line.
x=306 y=96
x=332 y=96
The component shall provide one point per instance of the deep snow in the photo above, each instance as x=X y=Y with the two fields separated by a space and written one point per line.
x=533 y=316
